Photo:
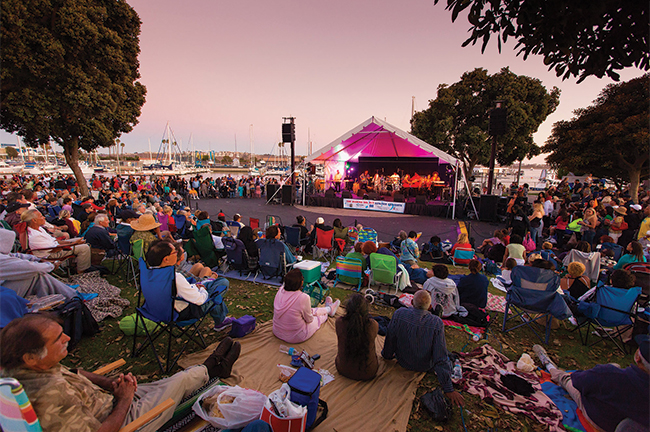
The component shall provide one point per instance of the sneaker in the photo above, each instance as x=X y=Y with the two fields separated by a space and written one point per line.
x=328 y=301
x=370 y=298
x=224 y=324
x=543 y=357
x=334 y=307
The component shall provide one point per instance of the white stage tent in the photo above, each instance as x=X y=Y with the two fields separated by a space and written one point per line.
x=376 y=138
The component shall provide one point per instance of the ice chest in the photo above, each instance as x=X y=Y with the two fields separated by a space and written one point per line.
x=242 y=326
x=305 y=390
x=280 y=424
x=310 y=270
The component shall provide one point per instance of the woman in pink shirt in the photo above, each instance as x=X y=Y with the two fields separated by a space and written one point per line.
x=294 y=320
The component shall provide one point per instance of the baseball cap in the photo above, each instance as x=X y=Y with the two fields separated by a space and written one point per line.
x=636 y=207
x=12 y=207
x=320 y=221
x=221 y=215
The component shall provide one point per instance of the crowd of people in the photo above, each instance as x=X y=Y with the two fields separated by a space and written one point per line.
x=57 y=226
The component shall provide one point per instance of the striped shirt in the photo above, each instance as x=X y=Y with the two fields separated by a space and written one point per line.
x=417 y=338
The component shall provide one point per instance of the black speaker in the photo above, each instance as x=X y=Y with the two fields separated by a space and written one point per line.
x=270 y=190
x=373 y=196
x=312 y=170
x=287 y=194
x=346 y=193
x=288 y=132
x=498 y=121
x=488 y=208
x=421 y=199
x=330 y=193
x=398 y=197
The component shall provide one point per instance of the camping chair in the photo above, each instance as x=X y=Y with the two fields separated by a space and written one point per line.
x=591 y=262
x=272 y=220
x=384 y=270
x=272 y=261
x=462 y=256
x=21 y=231
x=236 y=255
x=324 y=246
x=158 y=286
x=233 y=228
x=292 y=238
x=534 y=291
x=17 y=413
x=614 y=308
x=353 y=234
x=367 y=234
x=123 y=253
x=616 y=248
x=641 y=272
x=349 y=271
x=219 y=228
x=181 y=229
x=136 y=251
x=253 y=223
x=53 y=212
x=202 y=244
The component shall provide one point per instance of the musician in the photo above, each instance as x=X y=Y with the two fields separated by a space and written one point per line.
x=337 y=181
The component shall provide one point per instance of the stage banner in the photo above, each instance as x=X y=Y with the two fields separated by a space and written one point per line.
x=383 y=206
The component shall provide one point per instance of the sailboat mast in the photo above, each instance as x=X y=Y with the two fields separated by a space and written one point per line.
x=251 y=137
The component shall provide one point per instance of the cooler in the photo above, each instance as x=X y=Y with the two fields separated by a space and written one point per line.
x=310 y=271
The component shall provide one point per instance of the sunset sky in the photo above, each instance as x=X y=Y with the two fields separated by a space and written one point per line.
x=213 y=68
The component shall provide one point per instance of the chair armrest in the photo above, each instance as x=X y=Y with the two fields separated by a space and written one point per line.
x=109 y=367
x=149 y=415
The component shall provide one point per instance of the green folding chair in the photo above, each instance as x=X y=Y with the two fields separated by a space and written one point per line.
x=383 y=270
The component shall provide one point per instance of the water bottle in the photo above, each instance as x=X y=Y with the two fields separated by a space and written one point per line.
x=288 y=350
x=457 y=373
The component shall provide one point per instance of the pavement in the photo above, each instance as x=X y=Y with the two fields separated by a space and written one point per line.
x=387 y=225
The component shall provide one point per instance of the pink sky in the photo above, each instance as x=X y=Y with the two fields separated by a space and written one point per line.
x=213 y=68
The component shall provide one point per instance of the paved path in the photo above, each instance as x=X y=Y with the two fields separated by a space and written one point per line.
x=387 y=225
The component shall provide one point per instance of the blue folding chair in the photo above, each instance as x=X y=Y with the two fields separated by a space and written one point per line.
x=533 y=292
x=614 y=308
x=158 y=286
x=272 y=262
x=292 y=237
x=180 y=221
x=233 y=228
x=615 y=248
x=236 y=255
x=462 y=256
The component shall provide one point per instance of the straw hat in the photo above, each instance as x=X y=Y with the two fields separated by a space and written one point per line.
x=621 y=210
x=145 y=222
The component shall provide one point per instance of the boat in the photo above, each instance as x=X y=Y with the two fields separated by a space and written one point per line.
x=86 y=169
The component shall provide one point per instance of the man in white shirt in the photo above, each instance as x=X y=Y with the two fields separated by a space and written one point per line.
x=39 y=238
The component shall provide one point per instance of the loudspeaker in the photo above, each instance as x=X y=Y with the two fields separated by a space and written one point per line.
x=498 y=121
x=312 y=170
x=288 y=132
x=330 y=193
x=373 y=196
x=488 y=208
x=287 y=194
x=346 y=193
x=398 y=197
x=270 y=190
x=421 y=199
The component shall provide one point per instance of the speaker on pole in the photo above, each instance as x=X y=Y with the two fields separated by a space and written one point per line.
x=287 y=194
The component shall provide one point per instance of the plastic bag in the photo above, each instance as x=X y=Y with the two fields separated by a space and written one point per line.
x=237 y=413
x=526 y=363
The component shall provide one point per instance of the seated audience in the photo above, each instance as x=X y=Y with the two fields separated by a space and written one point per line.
x=66 y=219
x=473 y=288
x=622 y=279
x=146 y=229
x=124 y=228
x=507 y=271
x=73 y=399
x=248 y=237
x=98 y=236
x=163 y=253
x=340 y=232
x=462 y=242
x=515 y=250
x=443 y=290
x=26 y=274
x=273 y=233
x=294 y=320
x=237 y=219
x=609 y=395
x=576 y=283
x=41 y=239
x=432 y=251
x=305 y=233
x=633 y=253
x=409 y=249
x=356 y=332
x=417 y=339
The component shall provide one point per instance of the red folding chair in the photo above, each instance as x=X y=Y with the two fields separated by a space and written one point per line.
x=253 y=223
x=324 y=244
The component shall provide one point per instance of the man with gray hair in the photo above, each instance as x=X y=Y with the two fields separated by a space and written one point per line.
x=42 y=244
x=416 y=338
x=98 y=235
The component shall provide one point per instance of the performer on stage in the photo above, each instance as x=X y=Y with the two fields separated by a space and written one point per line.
x=337 y=181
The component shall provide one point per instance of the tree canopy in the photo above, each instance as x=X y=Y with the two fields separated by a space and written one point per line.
x=579 y=37
x=457 y=120
x=608 y=139
x=69 y=73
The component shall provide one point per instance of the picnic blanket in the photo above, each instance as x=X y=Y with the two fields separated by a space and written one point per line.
x=108 y=301
x=250 y=277
x=496 y=303
x=481 y=377
x=573 y=419
x=382 y=404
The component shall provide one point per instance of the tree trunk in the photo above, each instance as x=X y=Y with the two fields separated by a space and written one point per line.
x=71 y=152
x=635 y=179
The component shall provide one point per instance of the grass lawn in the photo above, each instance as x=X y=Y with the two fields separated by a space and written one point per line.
x=257 y=300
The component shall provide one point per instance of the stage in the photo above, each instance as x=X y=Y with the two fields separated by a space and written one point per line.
x=413 y=206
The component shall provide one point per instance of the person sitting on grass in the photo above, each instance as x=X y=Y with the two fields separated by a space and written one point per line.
x=515 y=250
x=432 y=251
x=417 y=339
x=409 y=249
x=163 y=254
x=356 y=333
x=443 y=290
x=611 y=398
x=75 y=400
x=294 y=320
x=473 y=288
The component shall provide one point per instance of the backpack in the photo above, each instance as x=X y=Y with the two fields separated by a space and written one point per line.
x=77 y=320
x=496 y=253
x=475 y=317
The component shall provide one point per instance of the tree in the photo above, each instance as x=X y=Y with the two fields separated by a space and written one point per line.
x=580 y=37
x=608 y=139
x=457 y=120
x=69 y=74
x=12 y=153
x=226 y=160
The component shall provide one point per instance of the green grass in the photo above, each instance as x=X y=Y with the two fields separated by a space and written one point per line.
x=257 y=300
